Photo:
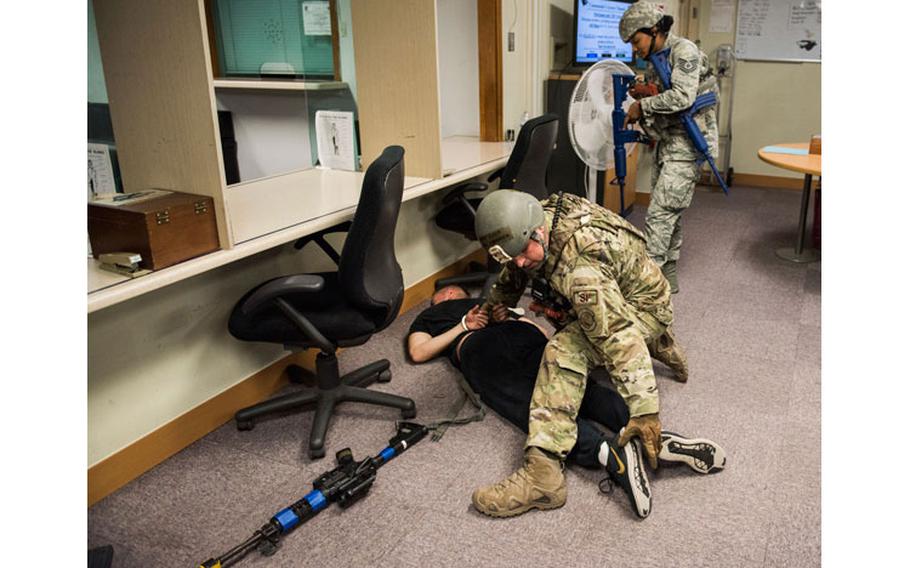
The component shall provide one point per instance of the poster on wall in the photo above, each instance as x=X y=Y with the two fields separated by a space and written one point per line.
x=721 y=16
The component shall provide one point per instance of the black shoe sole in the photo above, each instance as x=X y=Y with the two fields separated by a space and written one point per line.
x=700 y=454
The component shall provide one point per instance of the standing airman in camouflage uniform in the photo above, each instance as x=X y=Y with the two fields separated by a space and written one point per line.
x=676 y=166
x=617 y=309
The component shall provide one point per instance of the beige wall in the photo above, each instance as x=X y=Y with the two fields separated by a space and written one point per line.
x=157 y=356
x=518 y=93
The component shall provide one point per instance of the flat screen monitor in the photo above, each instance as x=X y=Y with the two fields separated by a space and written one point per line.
x=597 y=31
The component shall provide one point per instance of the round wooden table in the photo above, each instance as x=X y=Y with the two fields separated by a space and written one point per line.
x=809 y=165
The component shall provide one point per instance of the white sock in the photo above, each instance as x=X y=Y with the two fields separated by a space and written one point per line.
x=603 y=454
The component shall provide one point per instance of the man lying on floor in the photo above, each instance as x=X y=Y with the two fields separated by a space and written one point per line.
x=500 y=361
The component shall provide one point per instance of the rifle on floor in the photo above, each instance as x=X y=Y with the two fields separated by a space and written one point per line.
x=345 y=485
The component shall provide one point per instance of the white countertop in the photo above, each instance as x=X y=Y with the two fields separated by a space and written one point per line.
x=271 y=212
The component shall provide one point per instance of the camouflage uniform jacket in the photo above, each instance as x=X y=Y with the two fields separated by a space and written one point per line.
x=690 y=76
x=591 y=265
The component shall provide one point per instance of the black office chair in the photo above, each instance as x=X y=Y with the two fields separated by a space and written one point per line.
x=526 y=170
x=335 y=309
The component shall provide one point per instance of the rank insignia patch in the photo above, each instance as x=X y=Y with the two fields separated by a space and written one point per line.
x=688 y=65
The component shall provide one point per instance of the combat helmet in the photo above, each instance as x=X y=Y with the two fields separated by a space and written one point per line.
x=641 y=15
x=505 y=220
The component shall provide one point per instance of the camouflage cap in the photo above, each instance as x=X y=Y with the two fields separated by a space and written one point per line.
x=637 y=16
x=506 y=219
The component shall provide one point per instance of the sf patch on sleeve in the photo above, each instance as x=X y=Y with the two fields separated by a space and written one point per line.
x=585 y=297
x=587 y=305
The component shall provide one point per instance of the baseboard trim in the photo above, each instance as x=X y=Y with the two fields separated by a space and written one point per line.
x=120 y=468
x=771 y=182
x=747 y=180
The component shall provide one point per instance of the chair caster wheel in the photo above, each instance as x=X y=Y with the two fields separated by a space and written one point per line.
x=316 y=454
x=384 y=376
x=244 y=425
x=408 y=413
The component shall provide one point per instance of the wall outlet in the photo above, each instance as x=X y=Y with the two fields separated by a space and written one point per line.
x=511 y=41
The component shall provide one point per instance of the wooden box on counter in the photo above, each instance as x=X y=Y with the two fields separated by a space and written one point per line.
x=164 y=227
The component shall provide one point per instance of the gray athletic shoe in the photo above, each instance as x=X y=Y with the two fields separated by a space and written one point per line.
x=701 y=454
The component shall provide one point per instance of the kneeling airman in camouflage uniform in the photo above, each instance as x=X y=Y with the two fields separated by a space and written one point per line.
x=676 y=166
x=594 y=265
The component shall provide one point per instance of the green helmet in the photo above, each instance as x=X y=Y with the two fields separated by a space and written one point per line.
x=505 y=221
x=637 y=16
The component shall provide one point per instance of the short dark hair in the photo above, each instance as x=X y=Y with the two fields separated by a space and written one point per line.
x=663 y=26
x=665 y=23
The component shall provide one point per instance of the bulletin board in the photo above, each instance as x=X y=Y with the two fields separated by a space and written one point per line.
x=779 y=30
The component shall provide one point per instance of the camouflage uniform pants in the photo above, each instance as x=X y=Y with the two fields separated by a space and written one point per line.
x=567 y=359
x=672 y=186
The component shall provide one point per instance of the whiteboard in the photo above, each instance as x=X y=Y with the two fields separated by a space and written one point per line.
x=779 y=30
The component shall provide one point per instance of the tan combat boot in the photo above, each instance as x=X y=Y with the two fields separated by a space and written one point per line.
x=666 y=350
x=539 y=484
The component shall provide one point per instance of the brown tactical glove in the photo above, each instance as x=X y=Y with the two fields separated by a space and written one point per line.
x=647 y=428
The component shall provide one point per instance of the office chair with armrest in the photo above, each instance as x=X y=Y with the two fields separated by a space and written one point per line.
x=526 y=170
x=335 y=309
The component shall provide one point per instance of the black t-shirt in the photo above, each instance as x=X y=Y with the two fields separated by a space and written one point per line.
x=442 y=317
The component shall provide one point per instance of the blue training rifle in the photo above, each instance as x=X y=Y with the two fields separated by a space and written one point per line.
x=621 y=136
x=344 y=485
x=622 y=82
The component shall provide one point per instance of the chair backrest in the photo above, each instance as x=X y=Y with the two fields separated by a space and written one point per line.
x=526 y=169
x=368 y=272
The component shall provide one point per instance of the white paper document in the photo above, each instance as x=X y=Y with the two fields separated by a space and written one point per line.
x=335 y=139
x=100 y=171
x=317 y=20
x=721 y=16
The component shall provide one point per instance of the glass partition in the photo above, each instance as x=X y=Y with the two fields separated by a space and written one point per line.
x=279 y=38
x=103 y=167
x=278 y=63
